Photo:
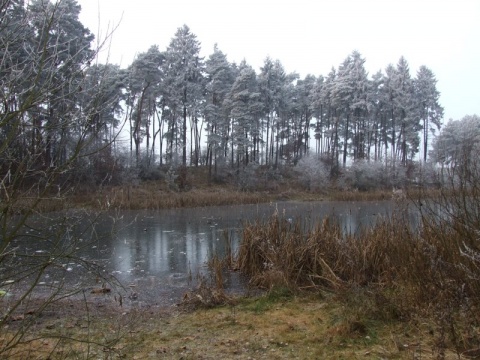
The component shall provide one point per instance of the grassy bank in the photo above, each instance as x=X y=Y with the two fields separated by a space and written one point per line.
x=198 y=190
x=278 y=325
x=155 y=195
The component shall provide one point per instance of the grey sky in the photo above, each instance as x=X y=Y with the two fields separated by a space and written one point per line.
x=311 y=36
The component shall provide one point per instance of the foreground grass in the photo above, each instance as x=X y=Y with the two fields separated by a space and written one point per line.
x=274 y=326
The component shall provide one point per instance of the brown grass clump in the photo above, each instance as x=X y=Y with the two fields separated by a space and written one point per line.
x=205 y=296
x=388 y=272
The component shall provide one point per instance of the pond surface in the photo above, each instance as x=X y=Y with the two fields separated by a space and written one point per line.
x=160 y=252
x=158 y=255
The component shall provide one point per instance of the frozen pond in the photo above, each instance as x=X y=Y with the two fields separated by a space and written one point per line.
x=157 y=254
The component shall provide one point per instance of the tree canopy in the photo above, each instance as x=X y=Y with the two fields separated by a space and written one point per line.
x=458 y=141
x=184 y=109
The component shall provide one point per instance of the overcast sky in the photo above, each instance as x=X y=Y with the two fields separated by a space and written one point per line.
x=311 y=37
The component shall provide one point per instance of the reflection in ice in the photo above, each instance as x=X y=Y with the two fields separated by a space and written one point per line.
x=159 y=253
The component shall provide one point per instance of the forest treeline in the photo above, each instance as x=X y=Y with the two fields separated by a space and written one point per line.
x=173 y=107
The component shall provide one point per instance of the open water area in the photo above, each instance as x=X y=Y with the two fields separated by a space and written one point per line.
x=159 y=255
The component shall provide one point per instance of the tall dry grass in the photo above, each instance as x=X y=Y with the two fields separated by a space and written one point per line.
x=150 y=196
x=323 y=256
x=391 y=270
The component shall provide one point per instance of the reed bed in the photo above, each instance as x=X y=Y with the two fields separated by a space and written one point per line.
x=387 y=272
x=350 y=195
x=323 y=256
x=154 y=198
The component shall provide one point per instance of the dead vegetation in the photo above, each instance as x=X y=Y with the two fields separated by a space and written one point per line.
x=387 y=273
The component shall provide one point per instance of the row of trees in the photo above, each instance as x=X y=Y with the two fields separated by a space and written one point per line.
x=273 y=116
x=179 y=108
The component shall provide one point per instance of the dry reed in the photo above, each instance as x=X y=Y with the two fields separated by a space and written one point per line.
x=399 y=272
x=154 y=198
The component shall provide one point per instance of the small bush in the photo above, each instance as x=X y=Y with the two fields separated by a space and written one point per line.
x=365 y=175
x=313 y=174
x=246 y=178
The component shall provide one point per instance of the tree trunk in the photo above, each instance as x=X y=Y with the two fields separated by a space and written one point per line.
x=184 y=135
x=345 y=144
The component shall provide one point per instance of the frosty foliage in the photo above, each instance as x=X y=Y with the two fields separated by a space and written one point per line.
x=457 y=140
x=363 y=175
x=426 y=174
x=246 y=178
x=366 y=175
x=313 y=173
x=171 y=179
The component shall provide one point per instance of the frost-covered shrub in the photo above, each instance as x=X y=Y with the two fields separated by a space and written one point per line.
x=221 y=170
x=367 y=175
x=246 y=177
x=313 y=173
x=426 y=174
x=148 y=169
x=171 y=179
x=396 y=176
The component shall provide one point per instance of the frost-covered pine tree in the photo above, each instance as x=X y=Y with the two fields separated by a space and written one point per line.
x=457 y=141
x=430 y=112
x=245 y=110
x=143 y=90
x=272 y=79
x=220 y=76
x=184 y=70
x=404 y=102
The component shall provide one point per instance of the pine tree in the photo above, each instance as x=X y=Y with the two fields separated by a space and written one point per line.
x=220 y=77
x=317 y=105
x=427 y=99
x=405 y=103
x=101 y=103
x=245 y=109
x=143 y=90
x=304 y=90
x=349 y=95
x=184 y=70
x=272 y=80
x=378 y=117
x=61 y=45
x=457 y=141
x=332 y=121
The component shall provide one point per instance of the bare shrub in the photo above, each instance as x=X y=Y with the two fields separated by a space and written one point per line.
x=53 y=117
x=205 y=295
